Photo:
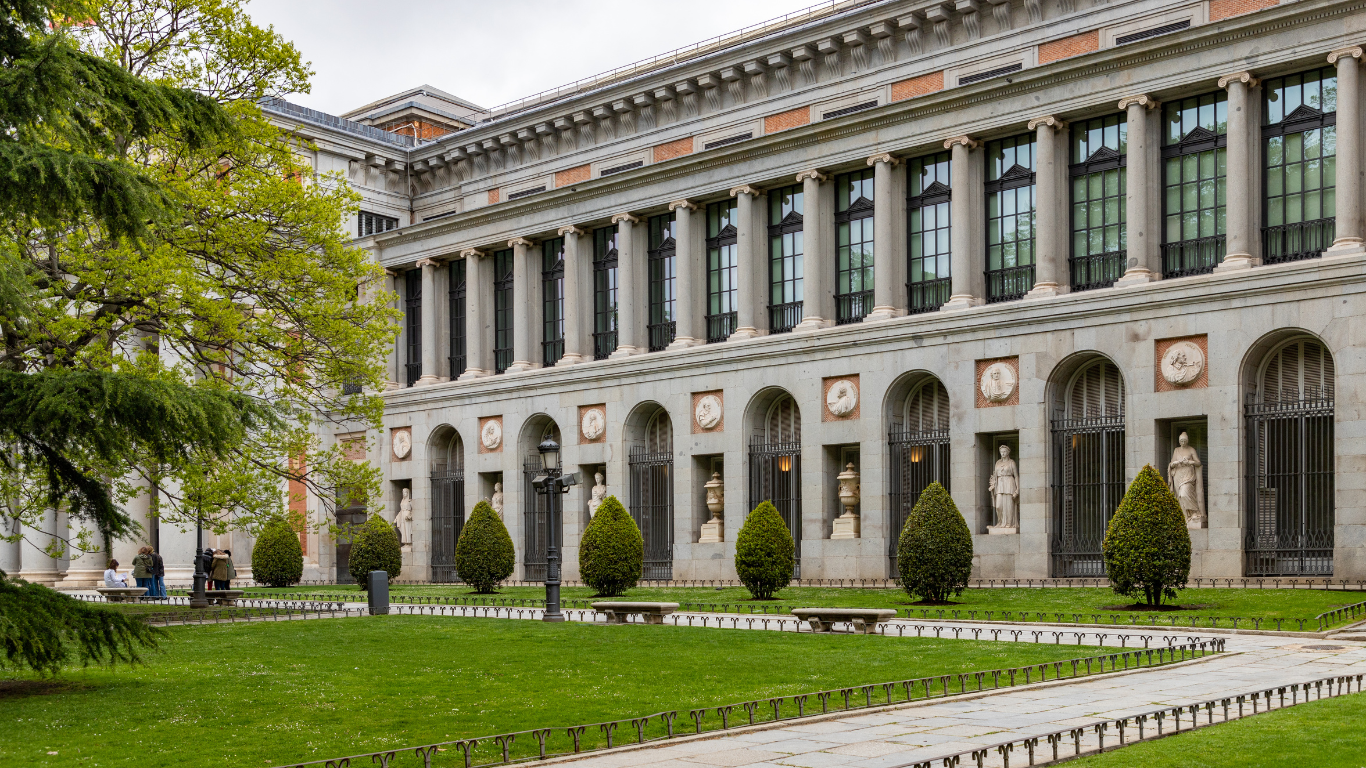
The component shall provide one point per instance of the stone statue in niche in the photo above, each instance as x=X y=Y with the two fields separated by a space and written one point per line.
x=716 y=505
x=998 y=383
x=497 y=501
x=1187 y=481
x=1005 y=494
x=847 y=524
x=599 y=493
x=404 y=520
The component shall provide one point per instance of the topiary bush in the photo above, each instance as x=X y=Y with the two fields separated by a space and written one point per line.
x=934 y=553
x=1147 y=545
x=484 y=554
x=611 y=552
x=375 y=547
x=764 y=552
x=277 y=559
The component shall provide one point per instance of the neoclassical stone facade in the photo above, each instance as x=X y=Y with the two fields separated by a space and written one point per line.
x=898 y=236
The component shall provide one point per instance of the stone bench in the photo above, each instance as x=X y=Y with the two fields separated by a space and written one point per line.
x=652 y=613
x=864 y=620
x=122 y=594
x=223 y=596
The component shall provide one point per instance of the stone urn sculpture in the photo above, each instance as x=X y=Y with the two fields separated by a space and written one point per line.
x=847 y=524
x=716 y=504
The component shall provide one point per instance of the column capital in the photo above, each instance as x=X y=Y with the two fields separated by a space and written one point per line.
x=744 y=189
x=1352 y=51
x=1142 y=100
x=626 y=217
x=812 y=174
x=675 y=205
x=472 y=253
x=570 y=229
x=522 y=241
x=1052 y=121
x=883 y=158
x=429 y=262
x=967 y=142
x=1247 y=78
x=391 y=272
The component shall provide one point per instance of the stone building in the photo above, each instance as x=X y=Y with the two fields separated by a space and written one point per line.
x=892 y=237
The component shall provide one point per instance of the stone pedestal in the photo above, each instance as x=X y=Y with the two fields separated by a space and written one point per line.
x=846 y=527
x=997 y=530
x=711 y=532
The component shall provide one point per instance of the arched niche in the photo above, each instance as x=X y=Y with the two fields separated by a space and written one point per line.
x=917 y=418
x=650 y=462
x=775 y=458
x=446 y=468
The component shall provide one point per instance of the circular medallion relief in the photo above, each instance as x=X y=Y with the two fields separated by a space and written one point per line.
x=998 y=383
x=593 y=424
x=403 y=443
x=491 y=436
x=708 y=412
x=842 y=397
x=1182 y=363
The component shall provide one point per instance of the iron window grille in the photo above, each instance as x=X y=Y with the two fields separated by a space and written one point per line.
x=412 y=317
x=373 y=223
x=928 y=250
x=1194 y=203
x=1088 y=470
x=1299 y=149
x=502 y=310
x=604 y=292
x=456 y=298
x=722 y=269
x=853 y=246
x=775 y=474
x=1010 y=218
x=652 y=507
x=448 y=516
x=1099 y=152
x=552 y=300
x=786 y=248
x=661 y=269
x=536 y=529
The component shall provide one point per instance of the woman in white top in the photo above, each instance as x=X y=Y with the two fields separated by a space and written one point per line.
x=112 y=578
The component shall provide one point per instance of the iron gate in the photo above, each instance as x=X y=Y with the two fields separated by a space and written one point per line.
x=1088 y=483
x=652 y=507
x=448 y=518
x=353 y=514
x=535 y=523
x=1290 y=488
x=775 y=474
x=918 y=459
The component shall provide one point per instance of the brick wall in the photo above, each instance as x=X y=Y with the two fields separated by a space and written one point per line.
x=918 y=86
x=673 y=149
x=1067 y=47
x=793 y=118
x=1222 y=9
x=572 y=176
x=493 y=196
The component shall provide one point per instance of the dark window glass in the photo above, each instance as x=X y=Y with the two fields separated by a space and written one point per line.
x=1098 y=150
x=502 y=310
x=661 y=258
x=604 y=291
x=1301 y=165
x=1010 y=217
x=1194 y=170
x=928 y=253
x=785 y=250
x=853 y=246
x=552 y=300
x=412 y=314
x=456 y=297
x=721 y=269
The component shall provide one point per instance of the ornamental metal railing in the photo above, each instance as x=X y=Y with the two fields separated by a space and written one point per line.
x=448 y=518
x=1294 y=242
x=1192 y=257
x=928 y=295
x=652 y=508
x=720 y=327
x=552 y=351
x=604 y=344
x=782 y=318
x=502 y=360
x=1010 y=283
x=852 y=307
x=775 y=474
x=1096 y=271
x=1088 y=483
x=1290 y=488
x=661 y=335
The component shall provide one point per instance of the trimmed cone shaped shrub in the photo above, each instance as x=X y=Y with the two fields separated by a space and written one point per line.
x=484 y=554
x=277 y=559
x=764 y=552
x=1147 y=546
x=375 y=547
x=611 y=551
x=934 y=553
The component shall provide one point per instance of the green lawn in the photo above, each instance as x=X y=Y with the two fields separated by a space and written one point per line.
x=1323 y=734
x=1089 y=604
x=266 y=693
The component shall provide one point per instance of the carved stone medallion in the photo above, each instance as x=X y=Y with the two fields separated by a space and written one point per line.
x=593 y=424
x=491 y=434
x=402 y=440
x=997 y=383
x=708 y=411
x=842 y=397
x=1182 y=363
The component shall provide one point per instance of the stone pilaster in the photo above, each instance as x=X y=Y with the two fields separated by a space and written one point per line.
x=966 y=291
x=690 y=279
x=885 y=282
x=478 y=315
x=630 y=296
x=1240 y=222
x=1349 y=167
x=578 y=302
x=1141 y=230
x=429 y=329
x=749 y=272
x=1050 y=207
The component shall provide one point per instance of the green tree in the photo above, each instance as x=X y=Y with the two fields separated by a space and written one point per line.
x=43 y=630
x=484 y=555
x=764 y=552
x=375 y=547
x=934 y=553
x=611 y=552
x=277 y=558
x=1147 y=546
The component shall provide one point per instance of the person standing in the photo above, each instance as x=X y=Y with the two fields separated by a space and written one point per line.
x=219 y=571
x=158 y=575
x=142 y=571
x=232 y=570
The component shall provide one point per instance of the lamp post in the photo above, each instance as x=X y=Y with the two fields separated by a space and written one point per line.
x=552 y=483
x=197 y=597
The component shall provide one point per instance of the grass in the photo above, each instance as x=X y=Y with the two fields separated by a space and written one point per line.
x=1324 y=734
x=267 y=693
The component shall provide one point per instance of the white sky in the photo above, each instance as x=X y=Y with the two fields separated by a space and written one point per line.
x=487 y=52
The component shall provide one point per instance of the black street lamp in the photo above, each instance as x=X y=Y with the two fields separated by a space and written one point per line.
x=552 y=483
x=197 y=597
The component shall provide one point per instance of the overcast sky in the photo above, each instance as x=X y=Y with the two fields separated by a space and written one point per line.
x=487 y=51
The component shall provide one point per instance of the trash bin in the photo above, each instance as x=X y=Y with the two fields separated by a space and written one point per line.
x=378 y=593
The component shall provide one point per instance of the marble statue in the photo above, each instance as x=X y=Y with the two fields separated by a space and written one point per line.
x=847 y=524
x=403 y=443
x=708 y=412
x=842 y=398
x=1186 y=480
x=599 y=493
x=1182 y=363
x=998 y=383
x=1005 y=494
x=404 y=521
x=497 y=501
x=593 y=424
x=713 y=529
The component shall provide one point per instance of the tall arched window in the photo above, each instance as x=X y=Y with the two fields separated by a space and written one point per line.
x=652 y=505
x=448 y=503
x=775 y=466
x=1088 y=467
x=1290 y=509
x=535 y=513
x=918 y=442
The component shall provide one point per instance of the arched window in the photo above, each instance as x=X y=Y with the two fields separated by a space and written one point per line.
x=775 y=465
x=1088 y=467
x=652 y=496
x=1290 y=509
x=918 y=442
x=784 y=422
x=447 y=466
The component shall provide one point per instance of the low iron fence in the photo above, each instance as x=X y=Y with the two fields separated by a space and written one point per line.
x=1345 y=585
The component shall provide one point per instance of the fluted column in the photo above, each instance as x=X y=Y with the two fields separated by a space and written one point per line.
x=1239 y=222
x=964 y=261
x=428 y=330
x=1349 y=168
x=578 y=306
x=629 y=289
x=885 y=305
x=690 y=283
x=1050 y=208
x=746 y=253
x=525 y=314
x=478 y=315
x=817 y=251
x=1141 y=225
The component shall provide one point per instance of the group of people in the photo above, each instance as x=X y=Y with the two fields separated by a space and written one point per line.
x=218 y=564
x=149 y=572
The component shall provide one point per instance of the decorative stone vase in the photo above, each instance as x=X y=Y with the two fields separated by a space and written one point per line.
x=716 y=504
x=847 y=524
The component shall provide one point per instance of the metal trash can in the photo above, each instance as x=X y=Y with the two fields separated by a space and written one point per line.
x=378 y=593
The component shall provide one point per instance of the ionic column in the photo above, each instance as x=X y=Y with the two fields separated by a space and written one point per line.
x=523 y=278
x=817 y=252
x=478 y=315
x=1349 y=168
x=1050 y=209
x=1141 y=230
x=578 y=313
x=747 y=272
x=884 y=240
x=429 y=329
x=629 y=293
x=1239 y=220
x=963 y=262
x=689 y=279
